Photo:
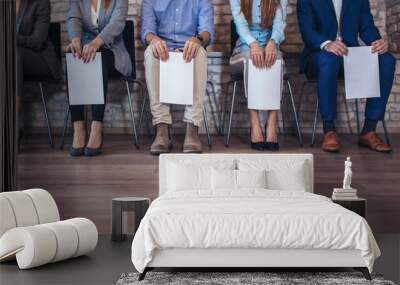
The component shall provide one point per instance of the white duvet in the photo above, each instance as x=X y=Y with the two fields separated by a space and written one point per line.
x=250 y=219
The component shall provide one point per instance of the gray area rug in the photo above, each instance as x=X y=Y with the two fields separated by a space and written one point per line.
x=229 y=278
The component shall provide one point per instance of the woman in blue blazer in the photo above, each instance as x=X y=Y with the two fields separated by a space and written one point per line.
x=261 y=28
x=93 y=26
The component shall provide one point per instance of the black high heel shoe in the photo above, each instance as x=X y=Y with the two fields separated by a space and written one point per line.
x=256 y=145
x=271 y=146
x=93 y=151
x=90 y=152
x=75 y=152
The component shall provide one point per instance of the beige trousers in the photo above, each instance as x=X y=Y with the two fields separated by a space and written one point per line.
x=160 y=111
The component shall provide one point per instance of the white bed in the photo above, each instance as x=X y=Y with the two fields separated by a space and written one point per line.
x=201 y=220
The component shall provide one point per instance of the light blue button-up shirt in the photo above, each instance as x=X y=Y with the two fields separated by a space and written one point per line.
x=249 y=33
x=175 y=21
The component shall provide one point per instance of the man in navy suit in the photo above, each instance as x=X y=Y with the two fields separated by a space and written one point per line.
x=328 y=28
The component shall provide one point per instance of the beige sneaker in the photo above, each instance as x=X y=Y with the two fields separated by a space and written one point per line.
x=162 y=143
x=192 y=142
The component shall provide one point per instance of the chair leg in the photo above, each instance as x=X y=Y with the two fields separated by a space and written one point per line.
x=210 y=102
x=283 y=123
x=231 y=114
x=135 y=135
x=142 y=110
x=144 y=102
x=386 y=132
x=347 y=114
x=214 y=100
x=46 y=115
x=224 y=109
x=295 y=114
x=301 y=96
x=207 y=127
x=64 y=132
x=357 y=118
x=315 y=122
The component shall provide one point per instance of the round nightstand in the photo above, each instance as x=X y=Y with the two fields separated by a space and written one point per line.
x=123 y=206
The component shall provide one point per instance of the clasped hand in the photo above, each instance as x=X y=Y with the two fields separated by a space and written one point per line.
x=190 y=50
x=88 y=52
x=264 y=58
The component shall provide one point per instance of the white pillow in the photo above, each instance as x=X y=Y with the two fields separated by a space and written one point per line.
x=186 y=176
x=182 y=178
x=251 y=179
x=286 y=174
x=225 y=179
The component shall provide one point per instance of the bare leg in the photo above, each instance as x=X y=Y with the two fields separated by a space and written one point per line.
x=79 y=135
x=96 y=135
x=272 y=127
x=256 y=130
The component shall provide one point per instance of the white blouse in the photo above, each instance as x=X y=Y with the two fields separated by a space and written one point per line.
x=95 y=14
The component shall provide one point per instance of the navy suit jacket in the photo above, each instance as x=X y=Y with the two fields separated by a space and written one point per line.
x=318 y=23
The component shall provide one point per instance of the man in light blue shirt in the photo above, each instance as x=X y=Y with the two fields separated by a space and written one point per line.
x=170 y=25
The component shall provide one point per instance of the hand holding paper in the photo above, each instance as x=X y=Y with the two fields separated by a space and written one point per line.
x=85 y=81
x=361 y=70
x=265 y=87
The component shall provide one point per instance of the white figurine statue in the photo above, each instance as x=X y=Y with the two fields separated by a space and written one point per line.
x=348 y=174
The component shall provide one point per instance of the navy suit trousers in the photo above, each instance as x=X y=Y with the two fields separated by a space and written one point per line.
x=326 y=67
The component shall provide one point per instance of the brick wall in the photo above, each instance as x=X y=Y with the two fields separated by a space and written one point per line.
x=117 y=111
x=393 y=24
x=393 y=32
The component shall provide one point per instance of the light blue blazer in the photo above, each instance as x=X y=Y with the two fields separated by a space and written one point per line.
x=111 y=24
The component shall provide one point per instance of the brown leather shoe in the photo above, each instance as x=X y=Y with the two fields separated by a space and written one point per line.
x=162 y=143
x=192 y=142
x=331 y=142
x=372 y=141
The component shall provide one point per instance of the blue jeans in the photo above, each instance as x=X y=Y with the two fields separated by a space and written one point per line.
x=326 y=68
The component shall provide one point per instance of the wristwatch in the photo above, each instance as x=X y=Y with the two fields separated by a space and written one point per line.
x=201 y=39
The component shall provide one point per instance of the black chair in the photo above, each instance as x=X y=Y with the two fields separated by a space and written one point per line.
x=236 y=79
x=313 y=81
x=129 y=41
x=55 y=39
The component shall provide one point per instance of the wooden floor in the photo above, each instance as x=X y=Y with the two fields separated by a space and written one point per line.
x=84 y=186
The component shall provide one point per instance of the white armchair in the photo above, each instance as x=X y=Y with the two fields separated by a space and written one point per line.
x=31 y=231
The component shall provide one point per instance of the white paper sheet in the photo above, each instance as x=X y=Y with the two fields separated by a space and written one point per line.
x=361 y=71
x=176 y=80
x=85 y=81
x=265 y=87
